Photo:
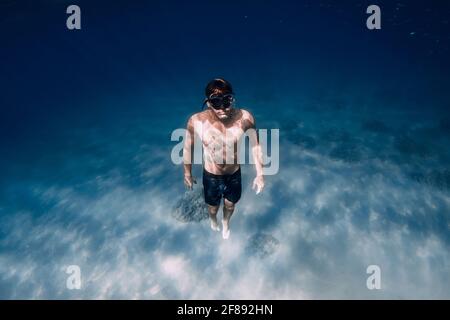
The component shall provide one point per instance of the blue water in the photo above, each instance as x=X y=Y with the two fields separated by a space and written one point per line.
x=86 y=179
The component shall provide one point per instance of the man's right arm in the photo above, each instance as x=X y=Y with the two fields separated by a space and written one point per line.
x=188 y=151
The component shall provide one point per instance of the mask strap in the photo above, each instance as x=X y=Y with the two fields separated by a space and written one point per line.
x=204 y=102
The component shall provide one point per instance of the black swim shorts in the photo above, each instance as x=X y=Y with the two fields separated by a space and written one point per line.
x=216 y=186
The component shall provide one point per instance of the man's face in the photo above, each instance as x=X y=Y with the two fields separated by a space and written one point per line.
x=222 y=114
x=221 y=105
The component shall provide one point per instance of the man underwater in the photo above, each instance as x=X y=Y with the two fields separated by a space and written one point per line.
x=220 y=128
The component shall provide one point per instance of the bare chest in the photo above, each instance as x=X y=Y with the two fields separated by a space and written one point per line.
x=217 y=133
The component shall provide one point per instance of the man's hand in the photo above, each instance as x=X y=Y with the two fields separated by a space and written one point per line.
x=258 y=184
x=189 y=181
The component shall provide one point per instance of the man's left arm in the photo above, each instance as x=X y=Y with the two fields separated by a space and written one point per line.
x=250 y=127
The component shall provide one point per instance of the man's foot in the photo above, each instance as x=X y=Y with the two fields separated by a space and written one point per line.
x=214 y=225
x=226 y=230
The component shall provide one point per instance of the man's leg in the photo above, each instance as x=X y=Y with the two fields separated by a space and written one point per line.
x=228 y=209
x=212 y=210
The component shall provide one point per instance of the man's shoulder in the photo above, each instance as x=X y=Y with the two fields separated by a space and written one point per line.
x=247 y=118
x=246 y=114
x=202 y=115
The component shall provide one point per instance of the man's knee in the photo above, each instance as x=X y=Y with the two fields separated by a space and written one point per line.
x=213 y=209
x=228 y=205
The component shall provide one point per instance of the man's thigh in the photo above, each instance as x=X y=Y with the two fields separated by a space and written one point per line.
x=212 y=190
